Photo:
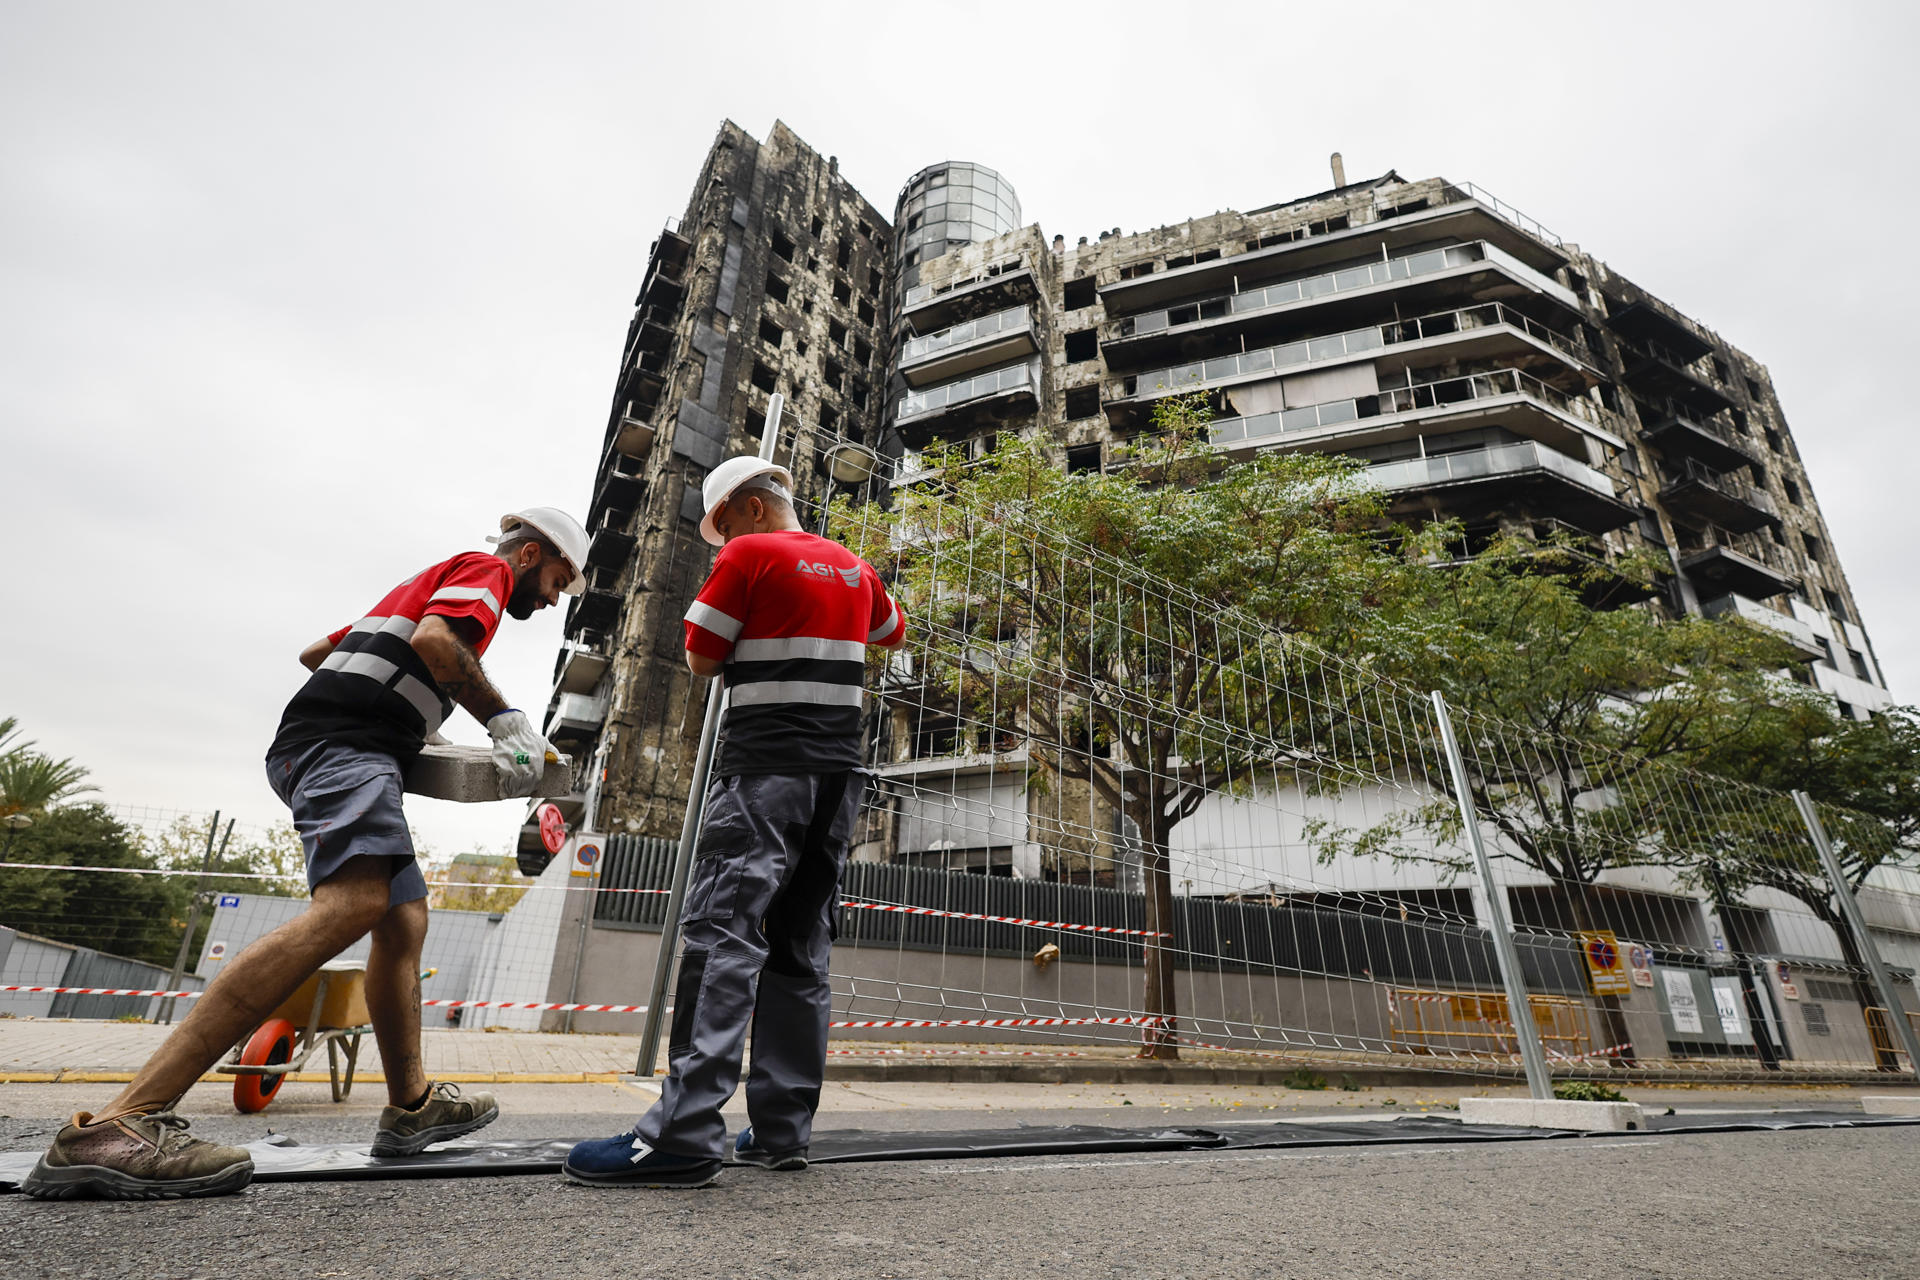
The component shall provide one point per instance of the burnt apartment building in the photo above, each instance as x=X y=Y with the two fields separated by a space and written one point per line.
x=1481 y=367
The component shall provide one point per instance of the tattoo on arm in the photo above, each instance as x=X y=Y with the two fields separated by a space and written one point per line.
x=456 y=669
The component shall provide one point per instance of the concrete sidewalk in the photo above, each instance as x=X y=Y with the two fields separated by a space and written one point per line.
x=39 y=1051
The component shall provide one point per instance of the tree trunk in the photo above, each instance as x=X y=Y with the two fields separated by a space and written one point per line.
x=1159 y=1037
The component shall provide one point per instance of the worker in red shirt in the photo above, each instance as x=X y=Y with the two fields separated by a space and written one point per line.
x=378 y=691
x=785 y=619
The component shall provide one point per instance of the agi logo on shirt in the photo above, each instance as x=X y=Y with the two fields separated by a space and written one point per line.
x=821 y=569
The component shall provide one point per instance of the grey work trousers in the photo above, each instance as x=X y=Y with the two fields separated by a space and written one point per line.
x=757 y=937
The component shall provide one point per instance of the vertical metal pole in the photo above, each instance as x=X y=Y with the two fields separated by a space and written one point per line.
x=1532 y=1057
x=690 y=825
x=1902 y=1028
x=165 y=1012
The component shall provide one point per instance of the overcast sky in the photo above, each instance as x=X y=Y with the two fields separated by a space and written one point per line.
x=295 y=301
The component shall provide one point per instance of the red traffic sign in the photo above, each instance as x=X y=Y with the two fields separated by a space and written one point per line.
x=553 y=828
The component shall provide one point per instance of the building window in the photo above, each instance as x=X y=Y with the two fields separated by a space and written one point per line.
x=1083 y=402
x=1835 y=605
x=1815 y=550
x=770 y=333
x=859 y=395
x=1080 y=293
x=1793 y=490
x=862 y=352
x=866 y=311
x=776 y=288
x=1720 y=369
x=783 y=246
x=842 y=292
x=1083 y=458
x=836 y=333
x=1753 y=390
x=844 y=255
x=763 y=377
x=1134 y=270
x=836 y=375
x=813 y=228
x=1774 y=442
x=866 y=231
x=873 y=281
x=1083 y=346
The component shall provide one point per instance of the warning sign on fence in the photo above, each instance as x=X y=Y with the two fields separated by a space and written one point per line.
x=1606 y=965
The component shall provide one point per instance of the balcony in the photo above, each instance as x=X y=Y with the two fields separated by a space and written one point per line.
x=1696 y=494
x=997 y=394
x=576 y=717
x=597 y=608
x=1722 y=569
x=1474 y=272
x=1646 y=324
x=1460 y=213
x=611 y=544
x=1507 y=398
x=633 y=435
x=1861 y=694
x=1786 y=626
x=1490 y=331
x=1508 y=479
x=579 y=669
x=619 y=490
x=1657 y=373
x=1679 y=435
x=652 y=331
x=990 y=287
x=964 y=348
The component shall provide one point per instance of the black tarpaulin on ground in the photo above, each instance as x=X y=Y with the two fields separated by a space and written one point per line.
x=281 y=1159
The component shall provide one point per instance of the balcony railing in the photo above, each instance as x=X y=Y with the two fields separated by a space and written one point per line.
x=1329 y=283
x=1003 y=265
x=1474 y=464
x=1442 y=394
x=1011 y=320
x=1728 y=497
x=1335 y=346
x=1753 y=611
x=916 y=404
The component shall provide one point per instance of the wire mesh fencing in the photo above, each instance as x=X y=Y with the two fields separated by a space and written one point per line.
x=1108 y=805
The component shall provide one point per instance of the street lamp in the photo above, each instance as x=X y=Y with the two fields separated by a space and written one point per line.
x=847 y=464
x=15 y=823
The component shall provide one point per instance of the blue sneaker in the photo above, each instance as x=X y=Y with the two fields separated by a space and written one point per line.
x=630 y=1161
x=747 y=1151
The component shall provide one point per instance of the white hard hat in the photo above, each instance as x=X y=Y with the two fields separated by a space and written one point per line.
x=559 y=528
x=729 y=476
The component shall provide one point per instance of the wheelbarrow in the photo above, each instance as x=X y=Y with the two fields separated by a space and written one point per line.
x=329 y=1008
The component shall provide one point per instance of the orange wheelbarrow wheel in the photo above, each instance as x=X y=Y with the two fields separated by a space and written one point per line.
x=269 y=1046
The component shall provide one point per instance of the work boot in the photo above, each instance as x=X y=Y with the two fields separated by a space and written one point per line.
x=445 y=1114
x=135 y=1157
x=747 y=1150
x=627 y=1160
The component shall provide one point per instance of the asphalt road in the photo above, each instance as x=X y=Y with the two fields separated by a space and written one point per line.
x=1804 y=1204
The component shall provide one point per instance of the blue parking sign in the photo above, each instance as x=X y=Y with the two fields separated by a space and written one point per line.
x=229 y=899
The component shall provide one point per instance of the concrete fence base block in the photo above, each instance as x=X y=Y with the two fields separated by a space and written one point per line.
x=1552 y=1114
x=467 y=774
x=1891 y=1104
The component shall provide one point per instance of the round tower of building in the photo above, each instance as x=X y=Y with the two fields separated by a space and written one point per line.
x=945 y=206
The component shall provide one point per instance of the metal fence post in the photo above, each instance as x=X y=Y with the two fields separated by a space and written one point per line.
x=1532 y=1056
x=1902 y=1028
x=164 y=1014
x=690 y=825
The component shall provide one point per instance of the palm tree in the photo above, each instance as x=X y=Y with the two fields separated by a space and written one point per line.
x=31 y=781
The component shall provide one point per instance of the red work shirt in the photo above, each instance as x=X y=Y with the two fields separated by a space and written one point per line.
x=791 y=615
x=373 y=690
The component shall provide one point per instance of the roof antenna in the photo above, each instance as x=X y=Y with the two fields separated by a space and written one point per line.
x=1339 y=171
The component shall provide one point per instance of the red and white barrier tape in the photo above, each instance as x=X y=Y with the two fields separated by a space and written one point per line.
x=975 y=915
x=292 y=876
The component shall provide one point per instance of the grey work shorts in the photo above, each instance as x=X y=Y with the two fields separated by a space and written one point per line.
x=346 y=804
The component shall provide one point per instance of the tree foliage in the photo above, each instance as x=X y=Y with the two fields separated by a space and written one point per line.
x=1128 y=628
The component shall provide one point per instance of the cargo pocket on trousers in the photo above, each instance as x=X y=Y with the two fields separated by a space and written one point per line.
x=718 y=864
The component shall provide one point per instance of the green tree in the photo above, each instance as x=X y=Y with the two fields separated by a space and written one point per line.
x=139 y=916
x=32 y=781
x=1569 y=715
x=1128 y=627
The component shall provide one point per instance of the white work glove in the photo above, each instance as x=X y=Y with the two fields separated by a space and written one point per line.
x=519 y=753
